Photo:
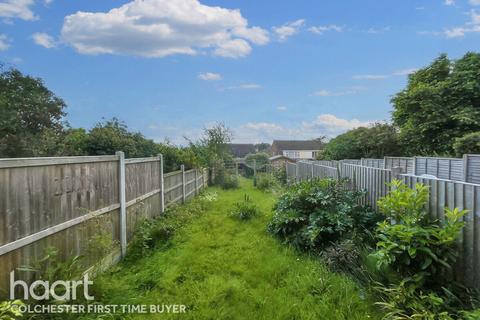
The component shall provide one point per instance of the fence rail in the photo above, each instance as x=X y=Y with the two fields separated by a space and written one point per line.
x=66 y=202
x=443 y=194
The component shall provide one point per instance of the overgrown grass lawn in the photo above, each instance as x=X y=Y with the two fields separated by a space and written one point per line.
x=222 y=268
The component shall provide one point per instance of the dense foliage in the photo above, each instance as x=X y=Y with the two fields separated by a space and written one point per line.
x=440 y=104
x=313 y=214
x=266 y=181
x=376 y=141
x=27 y=110
x=407 y=258
x=468 y=144
x=421 y=252
x=258 y=160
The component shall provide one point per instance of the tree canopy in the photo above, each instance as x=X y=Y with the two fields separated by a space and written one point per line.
x=440 y=104
x=377 y=141
x=27 y=110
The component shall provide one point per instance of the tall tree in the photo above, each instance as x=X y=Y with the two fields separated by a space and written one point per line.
x=27 y=110
x=377 y=141
x=440 y=104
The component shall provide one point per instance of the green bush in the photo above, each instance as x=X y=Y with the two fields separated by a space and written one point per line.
x=230 y=181
x=422 y=252
x=419 y=249
x=313 y=214
x=265 y=181
x=469 y=143
x=244 y=210
x=9 y=310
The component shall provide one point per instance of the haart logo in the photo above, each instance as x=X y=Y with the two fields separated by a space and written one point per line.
x=48 y=291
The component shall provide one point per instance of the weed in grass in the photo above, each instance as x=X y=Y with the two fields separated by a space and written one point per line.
x=244 y=210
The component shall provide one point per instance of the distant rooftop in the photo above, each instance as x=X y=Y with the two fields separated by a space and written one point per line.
x=240 y=150
x=297 y=144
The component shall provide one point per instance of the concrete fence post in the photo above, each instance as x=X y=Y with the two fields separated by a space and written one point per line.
x=122 y=199
x=183 y=183
x=196 y=182
x=465 y=167
x=313 y=175
x=162 y=185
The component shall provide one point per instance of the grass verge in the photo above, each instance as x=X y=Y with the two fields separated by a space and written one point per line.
x=223 y=268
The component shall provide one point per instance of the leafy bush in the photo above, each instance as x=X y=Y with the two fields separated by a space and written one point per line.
x=244 y=210
x=313 y=214
x=230 y=181
x=9 y=310
x=281 y=175
x=421 y=251
x=469 y=143
x=265 y=181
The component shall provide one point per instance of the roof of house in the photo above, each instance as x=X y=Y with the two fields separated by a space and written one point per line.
x=298 y=144
x=240 y=150
x=280 y=157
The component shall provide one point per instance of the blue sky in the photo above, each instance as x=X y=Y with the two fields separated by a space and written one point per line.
x=268 y=69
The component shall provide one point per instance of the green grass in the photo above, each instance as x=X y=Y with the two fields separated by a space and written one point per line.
x=224 y=268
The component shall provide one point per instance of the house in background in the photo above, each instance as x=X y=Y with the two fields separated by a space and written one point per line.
x=297 y=149
x=240 y=150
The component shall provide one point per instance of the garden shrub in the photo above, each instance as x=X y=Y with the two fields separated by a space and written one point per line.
x=265 y=181
x=313 y=214
x=244 y=210
x=422 y=252
x=230 y=181
x=9 y=310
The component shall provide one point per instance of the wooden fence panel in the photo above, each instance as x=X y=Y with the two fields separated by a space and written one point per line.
x=73 y=204
x=173 y=188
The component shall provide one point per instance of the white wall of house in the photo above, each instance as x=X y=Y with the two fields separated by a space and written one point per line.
x=301 y=154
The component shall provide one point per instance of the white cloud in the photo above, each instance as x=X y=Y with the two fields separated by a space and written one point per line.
x=158 y=28
x=47 y=2
x=288 y=29
x=233 y=49
x=475 y=2
x=379 y=30
x=44 y=40
x=323 y=29
x=370 y=77
x=472 y=26
x=327 y=93
x=330 y=125
x=449 y=2
x=404 y=72
x=282 y=108
x=246 y=86
x=323 y=125
x=4 y=42
x=210 y=76
x=21 y=9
